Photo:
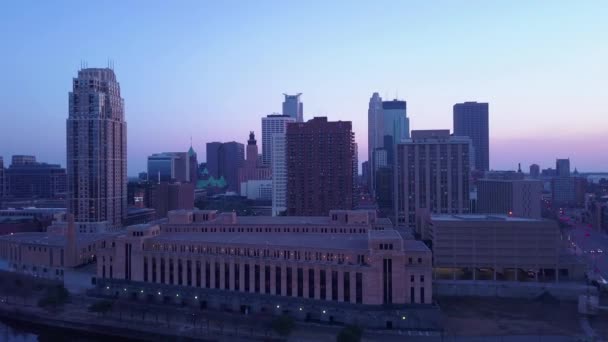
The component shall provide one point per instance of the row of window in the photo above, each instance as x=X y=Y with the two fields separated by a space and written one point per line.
x=209 y=275
x=264 y=230
x=256 y=252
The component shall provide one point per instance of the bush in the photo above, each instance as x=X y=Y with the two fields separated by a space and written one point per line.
x=55 y=296
x=102 y=307
x=283 y=325
x=350 y=333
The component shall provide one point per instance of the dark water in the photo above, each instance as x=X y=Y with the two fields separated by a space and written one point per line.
x=11 y=331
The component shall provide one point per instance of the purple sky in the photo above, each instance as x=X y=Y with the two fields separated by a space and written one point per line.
x=211 y=70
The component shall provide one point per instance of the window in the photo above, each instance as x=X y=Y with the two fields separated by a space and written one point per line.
x=359 y=287
x=346 y=287
x=422 y=279
x=267 y=279
x=300 y=281
x=323 y=285
x=311 y=283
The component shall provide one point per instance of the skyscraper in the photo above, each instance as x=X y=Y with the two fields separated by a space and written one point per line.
x=471 y=120
x=433 y=170
x=2 y=186
x=224 y=160
x=272 y=124
x=319 y=167
x=279 y=174
x=374 y=138
x=534 y=171
x=293 y=107
x=562 y=167
x=96 y=152
x=169 y=167
x=251 y=169
x=193 y=165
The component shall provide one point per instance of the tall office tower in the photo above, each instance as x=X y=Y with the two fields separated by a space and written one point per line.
x=374 y=137
x=18 y=160
x=97 y=152
x=355 y=175
x=213 y=159
x=251 y=170
x=292 y=106
x=562 y=167
x=519 y=198
x=2 y=182
x=169 y=167
x=319 y=167
x=272 y=124
x=534 y=171
x=224 y=160
x=31 y=180
x=192 y=165
x=433 y=170
x=279 y=174
x=471 y=120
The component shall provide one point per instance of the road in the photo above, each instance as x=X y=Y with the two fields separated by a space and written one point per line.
x=590 y=243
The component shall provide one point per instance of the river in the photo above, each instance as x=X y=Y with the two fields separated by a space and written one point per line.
x=11 y=331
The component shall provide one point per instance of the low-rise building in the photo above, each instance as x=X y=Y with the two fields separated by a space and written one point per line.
x=497 y=247
x=345 y=263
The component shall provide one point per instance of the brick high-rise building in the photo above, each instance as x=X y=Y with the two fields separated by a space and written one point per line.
x=2 y=186
x=471 y=120
x=319 y=167
x=433 y=170
x=96 y=152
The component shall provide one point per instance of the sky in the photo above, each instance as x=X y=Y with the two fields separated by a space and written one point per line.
x=211 y=69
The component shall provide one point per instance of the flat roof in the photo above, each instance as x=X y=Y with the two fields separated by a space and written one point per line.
x=305 y=240
x=482 y=217
x=51 y=239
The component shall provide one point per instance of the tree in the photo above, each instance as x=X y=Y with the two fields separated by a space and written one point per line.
x=55 y=296
x=101 y=307
x=350 y=333
x=283 y=325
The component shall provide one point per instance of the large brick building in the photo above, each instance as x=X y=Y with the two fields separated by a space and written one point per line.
x=319 y=167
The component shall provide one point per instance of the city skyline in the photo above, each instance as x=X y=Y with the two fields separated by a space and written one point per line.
x=533 y=64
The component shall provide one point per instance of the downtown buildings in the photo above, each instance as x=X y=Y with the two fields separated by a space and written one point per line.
x=271 y=125
x=433 y=170
x=28 y=179
x=513 y=197
x=388 y=125
x=293 y=107
x=471 y=120
x=170 y=167
x=253 y=171
x=319 y=167
x=346 y=266
x=224 y=161
x=96 y=152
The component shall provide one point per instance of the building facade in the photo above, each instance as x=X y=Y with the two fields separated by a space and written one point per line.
x=271 y=125
x=252 y=168
x=471 y=119
x=562 y=167
x=518 y=198
x=433 y=171
x=224 y=161
x=534 y=171
x=257 y=189
x=374 y=137
x=319 y=167
x=35 y=180
x=497 y=247
x=279 y=174
x=255 y=264
x=164 y=197
x=2 y=180
x=96 y=151
x=169 y=167
x=293 y=107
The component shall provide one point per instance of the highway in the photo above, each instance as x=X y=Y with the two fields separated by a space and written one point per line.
x=590 y=243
